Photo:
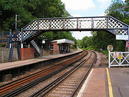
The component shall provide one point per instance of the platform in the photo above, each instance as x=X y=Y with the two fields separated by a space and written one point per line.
x=120 y=81
x=105 y=82
x=17 y=64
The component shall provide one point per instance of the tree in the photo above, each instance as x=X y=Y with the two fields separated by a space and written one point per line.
x=86 y=43
x=102 y=39
x=28 y=10
x=57 y=35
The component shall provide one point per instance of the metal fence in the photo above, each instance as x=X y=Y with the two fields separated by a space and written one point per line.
x=118 y=59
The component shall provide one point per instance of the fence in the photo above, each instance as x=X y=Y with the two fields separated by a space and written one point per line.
x=4 y=54
x=118 y=59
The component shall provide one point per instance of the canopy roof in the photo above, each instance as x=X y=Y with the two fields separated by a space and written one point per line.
x=59 y=41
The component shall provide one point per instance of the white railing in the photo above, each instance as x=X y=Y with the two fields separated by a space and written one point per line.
x=118 y=59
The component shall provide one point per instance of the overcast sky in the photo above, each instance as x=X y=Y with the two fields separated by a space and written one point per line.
x=83 y=8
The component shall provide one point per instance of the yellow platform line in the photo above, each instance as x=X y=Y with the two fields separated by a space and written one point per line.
x=109 y=83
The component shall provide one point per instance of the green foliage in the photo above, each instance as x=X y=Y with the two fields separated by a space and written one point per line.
x=102 y=39
x=27 y=10
x=2 y=45
x=86 y=43
x=9 y=8
x=119 y=10
x=57 y=35
x=105 y=52
x=112 y=10
x=99 y=41
x=89 y=48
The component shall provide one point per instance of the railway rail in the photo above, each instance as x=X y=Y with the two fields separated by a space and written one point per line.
x=18 y=86
x=69 y=83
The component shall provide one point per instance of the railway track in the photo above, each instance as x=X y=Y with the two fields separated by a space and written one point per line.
x=16 y=87
x=69 y=83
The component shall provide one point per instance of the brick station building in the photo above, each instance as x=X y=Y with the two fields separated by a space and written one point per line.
x=61 y=46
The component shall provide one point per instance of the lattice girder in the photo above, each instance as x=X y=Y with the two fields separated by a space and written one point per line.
x=108 y=23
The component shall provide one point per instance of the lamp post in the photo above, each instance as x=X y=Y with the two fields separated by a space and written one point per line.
x=16 y=17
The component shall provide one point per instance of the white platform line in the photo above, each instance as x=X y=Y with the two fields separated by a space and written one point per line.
x=85 y=84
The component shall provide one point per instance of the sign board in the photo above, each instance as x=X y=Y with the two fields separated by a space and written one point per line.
x=110 y=48
x=121 y=37
x=114 y=54
x=119 y=55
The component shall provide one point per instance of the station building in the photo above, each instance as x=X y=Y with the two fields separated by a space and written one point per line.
x=61 y=46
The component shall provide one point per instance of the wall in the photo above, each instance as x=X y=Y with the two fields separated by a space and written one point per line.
x=27 y=53
x=55 y=48
x=4 y=54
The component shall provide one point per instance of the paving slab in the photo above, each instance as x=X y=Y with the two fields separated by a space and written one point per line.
x=95 y=84
x=99 y=84
x=120 y=81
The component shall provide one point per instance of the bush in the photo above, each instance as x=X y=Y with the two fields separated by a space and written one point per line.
x=2 y=45
x=105 y=52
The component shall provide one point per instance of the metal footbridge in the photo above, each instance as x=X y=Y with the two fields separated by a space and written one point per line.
x=105 y=23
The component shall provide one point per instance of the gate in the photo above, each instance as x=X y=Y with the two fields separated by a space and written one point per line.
x=118 y=59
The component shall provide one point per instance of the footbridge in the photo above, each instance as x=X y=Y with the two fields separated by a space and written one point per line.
x=41 y=25
x=105 y=23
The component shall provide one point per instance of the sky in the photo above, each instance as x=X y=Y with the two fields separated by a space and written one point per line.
x=83 y=8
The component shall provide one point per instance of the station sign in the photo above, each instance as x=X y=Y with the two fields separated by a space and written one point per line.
x=118 y=55
x=127 y=43
x=121 y=37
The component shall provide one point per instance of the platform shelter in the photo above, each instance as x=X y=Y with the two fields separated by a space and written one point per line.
x=61 y=46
